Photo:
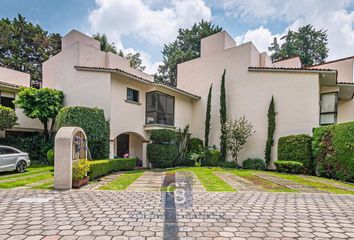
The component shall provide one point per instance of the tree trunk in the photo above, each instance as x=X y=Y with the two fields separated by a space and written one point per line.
x=45 y=132
x=51 y=128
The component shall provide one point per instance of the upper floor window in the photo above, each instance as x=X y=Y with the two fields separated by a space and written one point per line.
x=329 y=108
x=132 y=95
x=160 y=108
x=6 y=99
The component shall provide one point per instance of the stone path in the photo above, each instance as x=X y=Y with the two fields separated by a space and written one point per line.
x=238 y=183
x=149 y=181
x=289 y=184
x=102 y=181
x=32 y=214
x=188 y=181
x=329 y=182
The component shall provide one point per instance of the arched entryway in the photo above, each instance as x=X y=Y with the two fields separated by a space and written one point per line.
x=133 y=145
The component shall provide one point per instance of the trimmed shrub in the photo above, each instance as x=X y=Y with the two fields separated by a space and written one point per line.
x=100 y=168
x=161 y=136
x=35 y=146
x=50 y=157
x=194 y=145
x=162 y=155
x=254 y=163
x=289 y=166
x=333 y=150
x=80 y=168
x=93 y=122
x=227 y=164
x=8 y=117
x=212 y=158
x=297 y=148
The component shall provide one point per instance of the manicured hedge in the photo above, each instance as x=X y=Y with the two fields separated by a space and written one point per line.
x=289 y=166
x=163 y=136
x=333 y=149
x=162 y=155
x=254 y=163
x=100 y=168
x=297 y=148
x=212 y=158
x=93 y=122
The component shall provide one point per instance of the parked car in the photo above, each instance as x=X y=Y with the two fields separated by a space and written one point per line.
x=12 y=159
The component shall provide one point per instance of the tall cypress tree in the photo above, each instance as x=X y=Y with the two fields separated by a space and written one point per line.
x=207 y=118
x=271 y=129
x=223 y=147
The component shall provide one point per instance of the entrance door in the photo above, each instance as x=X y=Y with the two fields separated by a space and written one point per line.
x=122 y=145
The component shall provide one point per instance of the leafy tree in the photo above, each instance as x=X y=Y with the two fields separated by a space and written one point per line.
x=186 y=47
x=307 y=43
x=207 y=118
x=223 y=117
x=43 y=104
x=8 y=118
x=134 y=59
x=25 y=46
x=105 y=45
x=271 y=129
x=236 y=134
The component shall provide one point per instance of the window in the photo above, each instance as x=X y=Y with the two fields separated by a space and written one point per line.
x=132 y=95
x=160 y=108
x=329 y=108
x=6 y=99
x=4 y=150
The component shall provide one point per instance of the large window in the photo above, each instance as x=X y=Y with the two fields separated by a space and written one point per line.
x=160 y=108
x=6 y=99
x=329 y=108
x=132 y=95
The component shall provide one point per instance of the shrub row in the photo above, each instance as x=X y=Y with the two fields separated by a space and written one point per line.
x=289 y=166
x=100 y=168
x=333 y=150
x=211 y=158
x=254 y=163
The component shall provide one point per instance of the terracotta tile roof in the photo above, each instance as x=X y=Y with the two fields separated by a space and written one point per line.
x=139 y=78
x=6 y=84
x=291 y=69
x=346 y=83
x=333 y=61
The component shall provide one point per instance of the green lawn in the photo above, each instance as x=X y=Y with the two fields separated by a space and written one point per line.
x=123 y=181
x=34 y=174
x=313 y=183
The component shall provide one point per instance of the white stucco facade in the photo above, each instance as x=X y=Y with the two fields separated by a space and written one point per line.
x=90 y=77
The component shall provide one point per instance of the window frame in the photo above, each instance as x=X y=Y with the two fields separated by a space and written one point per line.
x=134 y=90
x=326 y=113
x=14 y=98
x=156 y=108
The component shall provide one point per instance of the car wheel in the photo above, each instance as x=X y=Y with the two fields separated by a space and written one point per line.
x=21 y=166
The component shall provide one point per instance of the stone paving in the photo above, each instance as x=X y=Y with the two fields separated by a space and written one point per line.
x=31 y=214
x=289 y=184
x=149 y=181
x=238 y=183
x=188 y=181
x=102 y=181
x=348 y=186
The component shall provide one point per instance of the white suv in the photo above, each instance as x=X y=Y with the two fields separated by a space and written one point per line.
x=12 y=159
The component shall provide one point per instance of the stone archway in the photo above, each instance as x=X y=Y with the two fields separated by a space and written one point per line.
x=133 y=144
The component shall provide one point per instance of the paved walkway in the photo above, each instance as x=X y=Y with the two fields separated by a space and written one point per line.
x=149 y=181
x=30 y=214
x=188 y=181
x=102 y=181
x=238 y=183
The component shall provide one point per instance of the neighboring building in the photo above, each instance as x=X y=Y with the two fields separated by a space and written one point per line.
x=10 y=83
x=134 y=104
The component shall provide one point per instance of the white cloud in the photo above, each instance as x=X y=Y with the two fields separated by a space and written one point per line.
x=120 y=18
x=323 y=14
x=142 y=20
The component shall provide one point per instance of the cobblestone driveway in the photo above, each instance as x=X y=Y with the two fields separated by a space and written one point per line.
x=28 y=214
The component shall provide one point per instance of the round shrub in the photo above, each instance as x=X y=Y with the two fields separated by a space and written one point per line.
x=194 y=145
x=289 y=167
x=50 y=157
x=163 y=136
x=8 y=117
x=93 y=122
x=162 y=155
x=254 y=163
x=297 y=148
x=212 y=158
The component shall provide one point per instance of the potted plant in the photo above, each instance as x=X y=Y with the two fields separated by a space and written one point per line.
x=80 y=169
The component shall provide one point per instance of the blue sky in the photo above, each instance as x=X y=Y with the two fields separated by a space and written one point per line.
x=145 y=25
